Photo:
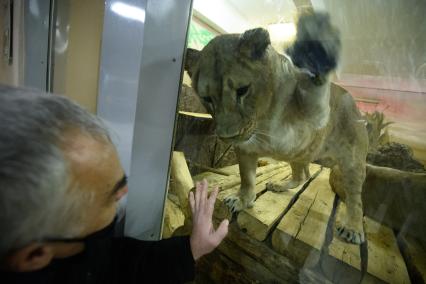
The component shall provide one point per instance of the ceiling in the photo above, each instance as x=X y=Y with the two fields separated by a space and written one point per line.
x=264 y=12
x=236 y=16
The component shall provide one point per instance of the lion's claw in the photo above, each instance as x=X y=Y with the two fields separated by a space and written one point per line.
x=349 y=235
x=236 y=204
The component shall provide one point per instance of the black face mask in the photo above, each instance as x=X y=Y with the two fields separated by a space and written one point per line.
x=102 y=234
x=45 y=275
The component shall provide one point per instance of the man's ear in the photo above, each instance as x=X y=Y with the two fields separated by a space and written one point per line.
x=317 y=45
x=253 y=43
x=32 y=257
x=191 y=60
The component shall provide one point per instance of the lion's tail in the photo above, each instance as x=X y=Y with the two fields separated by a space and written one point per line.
x=317 y=45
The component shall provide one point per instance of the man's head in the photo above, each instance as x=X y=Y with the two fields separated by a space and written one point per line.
x=60 y=177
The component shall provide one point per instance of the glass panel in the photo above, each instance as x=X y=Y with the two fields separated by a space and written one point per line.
x=309 y=116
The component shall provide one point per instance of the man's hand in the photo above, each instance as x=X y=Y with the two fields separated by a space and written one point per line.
x=204 y=237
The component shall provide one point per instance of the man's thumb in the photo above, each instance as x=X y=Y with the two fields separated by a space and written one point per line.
x=221 y=231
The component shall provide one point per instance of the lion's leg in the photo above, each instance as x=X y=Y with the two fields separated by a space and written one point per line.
x=347 y=183
x=299 y=174
x=245 y=198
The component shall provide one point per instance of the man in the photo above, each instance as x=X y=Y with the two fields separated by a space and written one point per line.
x=60 y=181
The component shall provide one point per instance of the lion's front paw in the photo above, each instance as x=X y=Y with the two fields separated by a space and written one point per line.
x=350 y=235
x=236 y=204
x=280 y=187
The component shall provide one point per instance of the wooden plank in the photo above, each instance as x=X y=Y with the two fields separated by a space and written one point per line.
x=196 y=114
x=258 y=221
x=216 y=267
x=227 y=182
x=222 y=211
x=385 y=262
x=181 y=181
x=301 y=232
x=251 y=265
x=239 y=247
x=173 y=218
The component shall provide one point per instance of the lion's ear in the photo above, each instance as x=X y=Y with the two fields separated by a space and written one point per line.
x=191 y=60
x=253 y=43
x=317 y=45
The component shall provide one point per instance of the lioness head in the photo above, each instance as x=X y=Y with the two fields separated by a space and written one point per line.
x=232 y=78
x=238 y=77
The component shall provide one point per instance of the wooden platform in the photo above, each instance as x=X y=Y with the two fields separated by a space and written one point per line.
x=289 y=237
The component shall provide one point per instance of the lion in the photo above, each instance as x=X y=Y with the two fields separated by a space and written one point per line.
x=285 y=107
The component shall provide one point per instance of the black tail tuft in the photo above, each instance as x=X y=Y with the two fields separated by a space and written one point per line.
x=317 y=45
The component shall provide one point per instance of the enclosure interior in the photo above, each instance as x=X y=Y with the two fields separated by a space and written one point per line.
x=287 y=236
x=382 y=66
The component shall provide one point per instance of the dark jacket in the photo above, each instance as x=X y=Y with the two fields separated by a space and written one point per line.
x=118 y=260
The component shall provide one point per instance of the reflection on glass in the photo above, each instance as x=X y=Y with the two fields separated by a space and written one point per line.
x=128 y=11
x=354 y=211
x=282 y=31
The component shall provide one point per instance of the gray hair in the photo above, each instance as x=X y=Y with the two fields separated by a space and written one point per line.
x=35 y=202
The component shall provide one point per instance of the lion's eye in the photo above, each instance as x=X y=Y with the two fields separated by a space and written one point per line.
x=207 y=99
x=242 y=91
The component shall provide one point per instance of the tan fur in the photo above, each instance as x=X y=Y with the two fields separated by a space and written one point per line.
x=285 y=114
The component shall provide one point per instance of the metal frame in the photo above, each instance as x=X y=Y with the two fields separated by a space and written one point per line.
x=7 y=32
x=140 y=106
x=36 y=30
x=51 y=46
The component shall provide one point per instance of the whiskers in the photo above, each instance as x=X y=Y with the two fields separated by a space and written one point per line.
x=265 y=135
x=260 y=139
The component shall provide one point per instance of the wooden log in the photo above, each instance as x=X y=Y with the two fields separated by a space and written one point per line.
x=189 y=101
x=385 y=263
x=269 y=207
x=173 y=218
x=301 y=233
x=225 y=171
x=262 y=174
x=212 y=178
x=181 y=181
x=196 y=114
x=209 y=169
x=215 y=179
x=195 y=137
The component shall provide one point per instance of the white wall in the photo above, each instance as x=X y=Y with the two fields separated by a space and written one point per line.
x=220 y=15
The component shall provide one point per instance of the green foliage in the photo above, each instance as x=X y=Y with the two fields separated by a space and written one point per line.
x=377 y=132
x=198 y=36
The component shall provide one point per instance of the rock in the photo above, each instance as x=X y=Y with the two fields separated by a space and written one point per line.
x=397 y=156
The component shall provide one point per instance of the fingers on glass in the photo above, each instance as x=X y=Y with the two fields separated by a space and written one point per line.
x=197 y=195
x=212 y=200
x=204 y=190
x=192 y=201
